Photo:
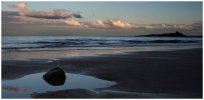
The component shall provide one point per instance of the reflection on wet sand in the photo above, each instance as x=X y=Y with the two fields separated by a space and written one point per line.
x=15 y=90
x=54 y=55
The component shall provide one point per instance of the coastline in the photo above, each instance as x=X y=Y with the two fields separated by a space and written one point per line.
x=176 y=72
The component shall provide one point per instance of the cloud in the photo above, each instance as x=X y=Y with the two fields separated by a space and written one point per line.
x=100 y=24
x=112 y=24
x=20 y=5
x=61 y=16
x=54 y=14
x=120 y=24
x=60 y=12
x=196 y=28
x=125 y=25
x=167 y=26
x=36 y=20
x=76 y=15
x=73 y=22
x=197 y=25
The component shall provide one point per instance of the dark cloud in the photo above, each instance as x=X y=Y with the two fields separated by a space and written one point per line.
x=54 y=14
x=6 y=16
x=76 y=15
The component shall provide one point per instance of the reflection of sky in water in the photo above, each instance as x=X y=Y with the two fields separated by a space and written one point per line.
x=22 y=87
x=76 y=53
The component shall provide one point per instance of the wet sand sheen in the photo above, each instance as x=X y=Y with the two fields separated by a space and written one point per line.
x=34 y=83
x=59 y=54
x=172 y=72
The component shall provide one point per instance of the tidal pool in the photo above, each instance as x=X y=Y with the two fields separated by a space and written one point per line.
x=23 y=87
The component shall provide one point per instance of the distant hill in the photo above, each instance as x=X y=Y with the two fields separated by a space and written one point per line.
x=176 y=34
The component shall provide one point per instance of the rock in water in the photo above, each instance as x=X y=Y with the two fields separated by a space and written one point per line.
x=55 y=76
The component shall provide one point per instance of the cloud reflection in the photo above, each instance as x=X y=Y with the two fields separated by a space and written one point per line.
x=11 y=89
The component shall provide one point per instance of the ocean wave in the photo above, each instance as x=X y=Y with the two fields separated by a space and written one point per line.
x=46 y=43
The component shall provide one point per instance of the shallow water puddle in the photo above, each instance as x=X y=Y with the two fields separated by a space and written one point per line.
x=23 y=87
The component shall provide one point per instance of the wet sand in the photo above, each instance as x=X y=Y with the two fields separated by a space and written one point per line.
x=159 y=74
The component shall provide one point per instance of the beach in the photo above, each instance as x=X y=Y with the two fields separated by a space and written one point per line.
x=149 y=74
x=121 y=50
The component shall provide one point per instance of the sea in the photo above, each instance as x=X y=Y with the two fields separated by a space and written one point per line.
x=70 y=46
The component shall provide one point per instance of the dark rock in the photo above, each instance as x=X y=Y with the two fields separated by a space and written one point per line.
x=55 y=76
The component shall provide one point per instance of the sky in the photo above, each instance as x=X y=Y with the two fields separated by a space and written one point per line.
x=100 y=18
